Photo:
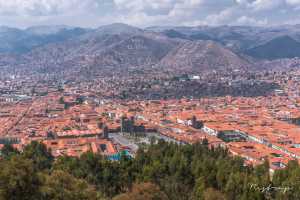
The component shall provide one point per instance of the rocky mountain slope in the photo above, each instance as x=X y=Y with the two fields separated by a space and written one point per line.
x=119 y=46
x=202 y=55
x=247 y=40
x=17 y=41
x=138 y=50
x=109 y=46
x=281 y=47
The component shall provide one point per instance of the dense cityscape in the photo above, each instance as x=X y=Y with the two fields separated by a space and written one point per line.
x=111 y=116
x=72 y=116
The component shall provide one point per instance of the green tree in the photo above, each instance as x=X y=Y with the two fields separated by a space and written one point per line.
x=61 y=100
x=205 y=142
x=79 y=100
x=62 y=186
x=8 y=150
x=39 y=154
x=18 y=179
x=199 y=189
x=212 y=194
x=143 y=191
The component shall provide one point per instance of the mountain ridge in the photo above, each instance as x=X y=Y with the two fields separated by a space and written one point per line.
x=280 y=47
x=122 y=46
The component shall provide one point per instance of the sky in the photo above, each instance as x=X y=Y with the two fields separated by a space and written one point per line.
x=144 y=13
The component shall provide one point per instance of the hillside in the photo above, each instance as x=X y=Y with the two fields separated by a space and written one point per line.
x=48 y=48
x=281 y=47
x=237 y=38
x=136 y=50
x=17 y=41
x=139 y=50
x=108 y=46
x=202 y=55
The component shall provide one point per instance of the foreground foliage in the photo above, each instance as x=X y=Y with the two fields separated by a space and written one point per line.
x=161 y=172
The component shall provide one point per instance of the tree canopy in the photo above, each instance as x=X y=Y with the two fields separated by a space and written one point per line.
x=162 y=171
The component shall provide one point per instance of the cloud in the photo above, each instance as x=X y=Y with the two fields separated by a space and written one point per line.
x=148 y=12
x=265 y=5
x=34 y=7
x=293 y=2
x=249 y=20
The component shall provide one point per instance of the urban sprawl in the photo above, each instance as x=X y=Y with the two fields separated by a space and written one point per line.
x=120 y=113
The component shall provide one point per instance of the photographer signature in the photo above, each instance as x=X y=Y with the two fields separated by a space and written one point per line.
x=269 y=188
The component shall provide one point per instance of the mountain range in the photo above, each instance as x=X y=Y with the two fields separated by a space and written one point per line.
x=176 y=48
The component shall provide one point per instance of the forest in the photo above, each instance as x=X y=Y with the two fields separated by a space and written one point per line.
x=160 y=171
